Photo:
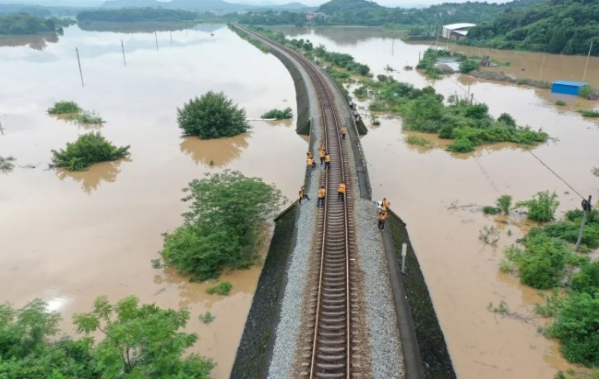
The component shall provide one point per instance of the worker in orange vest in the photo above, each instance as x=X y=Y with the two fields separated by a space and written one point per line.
x=302 y=195
x=322 y=156
x=343 y=131
x=309 y=165
x=385 y=204
x=322 y=146
x=327 y=160
x=341 y=191
x=381 y=223
x=321 y=200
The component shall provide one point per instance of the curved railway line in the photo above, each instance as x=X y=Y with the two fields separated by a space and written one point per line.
x=329 y=348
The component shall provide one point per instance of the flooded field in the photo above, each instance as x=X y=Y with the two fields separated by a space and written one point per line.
x=440 y=197
x=70 y=237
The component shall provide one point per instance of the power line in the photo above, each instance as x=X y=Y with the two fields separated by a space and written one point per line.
x=558 y=176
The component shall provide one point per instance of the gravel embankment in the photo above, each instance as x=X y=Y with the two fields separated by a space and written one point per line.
x=288 y=329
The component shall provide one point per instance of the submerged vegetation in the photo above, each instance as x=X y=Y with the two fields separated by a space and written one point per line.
x=138 y=341
x=545 y=259
x=468 y=124
x=212 y=115
x=541 y=207
x=73 y=112
x=7 y=163
x=88 y=149
x=64 y=107
x=279 y=114
x=221 y=288
x=224 y=227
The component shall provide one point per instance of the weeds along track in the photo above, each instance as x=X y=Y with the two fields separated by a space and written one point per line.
x=328 y=345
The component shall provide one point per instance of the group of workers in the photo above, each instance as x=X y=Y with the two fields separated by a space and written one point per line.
x=325 y=158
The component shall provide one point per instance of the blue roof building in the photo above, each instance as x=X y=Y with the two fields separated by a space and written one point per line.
x=567 y=87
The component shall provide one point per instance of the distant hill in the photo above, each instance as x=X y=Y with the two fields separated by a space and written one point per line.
x=362 y=12
x=556 y=26
x=199 y=6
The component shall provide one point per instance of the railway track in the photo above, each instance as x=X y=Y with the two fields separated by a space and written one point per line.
x=329 y=349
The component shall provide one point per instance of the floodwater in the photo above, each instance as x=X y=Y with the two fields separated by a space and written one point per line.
x=440 y=197
x=70 y=237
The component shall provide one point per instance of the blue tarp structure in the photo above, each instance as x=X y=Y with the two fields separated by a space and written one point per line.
x=567 y=87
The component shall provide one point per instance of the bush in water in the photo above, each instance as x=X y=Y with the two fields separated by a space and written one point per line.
x=279 y=114
x=88 y=149
x=212 y=115
x=541 y=207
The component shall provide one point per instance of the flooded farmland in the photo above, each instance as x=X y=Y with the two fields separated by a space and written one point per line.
x=70 y=237
x=440 y=196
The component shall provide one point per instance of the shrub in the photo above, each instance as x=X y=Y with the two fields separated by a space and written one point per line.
x=541 y=207
x=416 y=140
x=361 y=92
x=88 y=149
x=207 y=317
x=543 y=263
x=576 y=327
x=222 y=288
x=64 y=107
x=89 y=118
x=589 y=113
x=468 y=66
x=6 y=163
x=461 y=145
x=560 y=103
x=279 y=114
x=586 y=280
x=212 y=115
x=488 y=210
x=504 y=202
x=586 y=90
x=224 y=225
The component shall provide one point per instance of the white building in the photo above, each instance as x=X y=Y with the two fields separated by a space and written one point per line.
x=456 y=31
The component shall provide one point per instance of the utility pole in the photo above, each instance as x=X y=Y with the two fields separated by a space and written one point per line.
x=171 y=35
x=542 y=65
x=79 y=64
x=123 y=50
x=587 y=60
x=156 y=39
x=587 y=207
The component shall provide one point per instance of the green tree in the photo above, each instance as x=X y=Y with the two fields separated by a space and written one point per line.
x=504 y=202
x=88 y=149
x=212 y=115
x=468 y=66
x=224 y=226
x=141 y=341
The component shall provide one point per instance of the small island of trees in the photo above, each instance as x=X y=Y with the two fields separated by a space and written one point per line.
x=24 y=24
x=212 y=115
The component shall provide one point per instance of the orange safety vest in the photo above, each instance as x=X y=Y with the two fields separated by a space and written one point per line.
x=385 y=204
x=301 y=194
x=343 y=130
x=321 y=193
x=382 y=215
x=322 y=154
x=342 y=188
x=322 y=145
x=310 y=155
x=327 y=158
x=309 y=162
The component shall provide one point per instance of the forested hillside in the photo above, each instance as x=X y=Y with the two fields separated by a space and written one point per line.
x=137 y=14
x=556 y=26
x=362 y=12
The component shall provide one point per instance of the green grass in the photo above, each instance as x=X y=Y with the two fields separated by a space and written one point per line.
x=560 y=103
x=222 y=288
x=416 y=140
x=64 y=107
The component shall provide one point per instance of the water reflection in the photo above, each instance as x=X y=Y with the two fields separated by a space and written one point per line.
x=36 y=42
x=90 y=179
x=214 y=152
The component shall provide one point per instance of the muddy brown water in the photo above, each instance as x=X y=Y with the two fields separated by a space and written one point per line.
x=440 y=197
x=69 y=237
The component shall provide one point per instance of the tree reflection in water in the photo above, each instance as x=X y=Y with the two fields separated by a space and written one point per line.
x=36 y=41
x=214 y=152
x=91 y=178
